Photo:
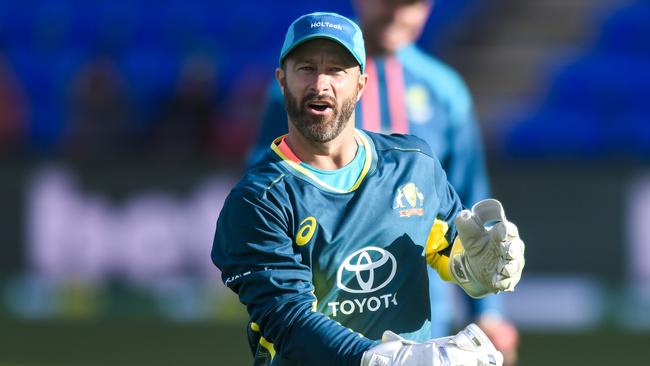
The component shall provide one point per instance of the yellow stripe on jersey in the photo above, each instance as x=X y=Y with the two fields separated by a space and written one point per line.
x=367 y=163
x=263 y=342
x=314 y=304
x=268 y=346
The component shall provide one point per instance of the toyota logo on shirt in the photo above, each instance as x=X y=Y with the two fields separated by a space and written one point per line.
x=366 y=270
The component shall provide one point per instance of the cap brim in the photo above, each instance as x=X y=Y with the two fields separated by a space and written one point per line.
x=316 y=36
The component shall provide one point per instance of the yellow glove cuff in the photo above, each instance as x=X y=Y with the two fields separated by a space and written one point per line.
x=436 y=242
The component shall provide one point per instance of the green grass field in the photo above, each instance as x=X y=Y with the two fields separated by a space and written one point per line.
x=132 y=342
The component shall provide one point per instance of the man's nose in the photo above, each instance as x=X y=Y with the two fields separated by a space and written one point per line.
x=322 y=83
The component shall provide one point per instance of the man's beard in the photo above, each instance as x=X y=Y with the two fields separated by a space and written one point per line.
x=318 y=128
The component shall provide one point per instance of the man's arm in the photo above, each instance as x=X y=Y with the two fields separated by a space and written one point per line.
x=255 y=252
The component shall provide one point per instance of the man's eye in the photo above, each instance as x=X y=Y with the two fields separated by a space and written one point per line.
x=306 y=68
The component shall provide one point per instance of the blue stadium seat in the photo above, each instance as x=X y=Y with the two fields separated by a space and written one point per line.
x=51 y=23
x=17 y=23
x=117 y=22
x=627 y=31
x=84 y=27
x=598 y=105
x=602 y=82
x=561 y=133
x=151 y=74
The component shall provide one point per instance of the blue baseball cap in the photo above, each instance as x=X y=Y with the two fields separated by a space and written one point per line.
x=329 y=26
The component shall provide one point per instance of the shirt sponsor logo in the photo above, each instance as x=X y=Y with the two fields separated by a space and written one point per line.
x=365 y=270
x=371 y=304
x=409 y=200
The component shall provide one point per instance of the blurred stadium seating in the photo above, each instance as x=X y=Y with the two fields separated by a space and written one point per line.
x=48 y=42
x=598 y=106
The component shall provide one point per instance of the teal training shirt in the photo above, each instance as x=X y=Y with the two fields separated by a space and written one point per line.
x=323 y=271
x=415 y=93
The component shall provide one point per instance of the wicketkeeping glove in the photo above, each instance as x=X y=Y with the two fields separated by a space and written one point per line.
x=489 y=257
x=469 y=347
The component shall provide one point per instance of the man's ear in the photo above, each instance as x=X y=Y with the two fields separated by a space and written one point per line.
x=361 y=85
x=281 y=78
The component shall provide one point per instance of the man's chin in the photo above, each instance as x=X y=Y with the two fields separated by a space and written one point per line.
x=318 y=135
x=315 y=120
x=318 y=131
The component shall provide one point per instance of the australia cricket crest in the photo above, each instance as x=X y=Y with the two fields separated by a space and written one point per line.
x=409 y=200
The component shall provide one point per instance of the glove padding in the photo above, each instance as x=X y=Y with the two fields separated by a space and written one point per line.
x=469 y=347
x=488 y=259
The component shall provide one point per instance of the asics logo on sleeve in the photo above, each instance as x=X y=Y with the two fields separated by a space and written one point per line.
x=306 y=231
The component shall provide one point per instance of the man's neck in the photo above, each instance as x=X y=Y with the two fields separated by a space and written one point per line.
x=330 y=155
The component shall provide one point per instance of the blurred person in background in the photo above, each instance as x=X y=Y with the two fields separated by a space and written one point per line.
x=189 y=116
x=236 y=128
x=13 y=111
x=101 y=123
x=409 y=91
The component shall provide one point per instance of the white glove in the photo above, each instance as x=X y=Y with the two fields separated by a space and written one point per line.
x=487 y=259
x=467 y=348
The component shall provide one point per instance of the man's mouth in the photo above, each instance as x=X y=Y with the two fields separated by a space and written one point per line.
x=319 y=106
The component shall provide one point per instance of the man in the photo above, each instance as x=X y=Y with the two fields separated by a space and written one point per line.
x=411 y=92
x=328 y=238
